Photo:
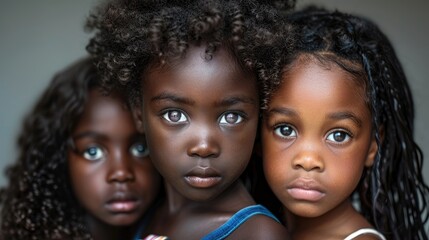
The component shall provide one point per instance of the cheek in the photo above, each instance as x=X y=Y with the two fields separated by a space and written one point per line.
x=77 y=174
x=237 y=156
x=345 y=174
x=275 y=161
x=87 y=183
x=162 y=147
x=165 y=159
x=275 y=169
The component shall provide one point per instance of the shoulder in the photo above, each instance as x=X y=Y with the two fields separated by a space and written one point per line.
x=367 y=237
x=365 y=234
x=260 y=227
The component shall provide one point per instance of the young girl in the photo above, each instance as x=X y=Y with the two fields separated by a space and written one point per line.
x=83 y=170
x=187 y=66
x=339 y=121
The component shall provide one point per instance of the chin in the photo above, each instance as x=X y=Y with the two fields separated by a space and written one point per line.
x=202 y=195
x=306 y=212
x=119 y=221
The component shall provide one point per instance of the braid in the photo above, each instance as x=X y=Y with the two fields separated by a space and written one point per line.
x=392 y=193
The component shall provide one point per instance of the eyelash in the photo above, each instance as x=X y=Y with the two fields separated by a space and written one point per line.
x=136 y=152
x=101 y=152
x=240 y=115
x=85 y=153
x=348 y=136
x=222 y=120
x=164 y=115
x=277 y=128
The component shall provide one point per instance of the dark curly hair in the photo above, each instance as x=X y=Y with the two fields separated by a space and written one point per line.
x=38 y=203
x=131 y=35
x=392 y=194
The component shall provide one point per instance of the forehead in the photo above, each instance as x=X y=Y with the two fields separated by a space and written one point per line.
x=310 y=85
x=351 y=71
x=195 y=68
x=104 y=112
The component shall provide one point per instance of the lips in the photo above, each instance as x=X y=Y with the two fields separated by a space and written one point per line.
x=200 y=177
x=122 y=202
x=305 y=190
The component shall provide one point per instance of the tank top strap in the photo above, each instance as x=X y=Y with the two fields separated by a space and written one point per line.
x=365 y=231
x=236 y=220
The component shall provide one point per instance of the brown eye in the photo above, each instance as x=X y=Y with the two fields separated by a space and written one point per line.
x=285 y=131
x=339 y=137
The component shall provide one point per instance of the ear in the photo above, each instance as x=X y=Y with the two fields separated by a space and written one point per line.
x=373 y=148
x=138 y=118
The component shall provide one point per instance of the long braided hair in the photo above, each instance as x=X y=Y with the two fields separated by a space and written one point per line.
x=392 y=193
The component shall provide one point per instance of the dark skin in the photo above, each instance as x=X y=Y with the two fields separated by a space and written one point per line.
x=110 y=171
x=317 y=140
x=200 y=117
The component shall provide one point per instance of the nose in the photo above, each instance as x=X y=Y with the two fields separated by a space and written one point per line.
x=204 y=143
x=309 y=158
x=120 y=167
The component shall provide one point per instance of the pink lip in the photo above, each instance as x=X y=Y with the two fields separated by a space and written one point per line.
x=122 y=202
x=202 y=177
x=306 y=190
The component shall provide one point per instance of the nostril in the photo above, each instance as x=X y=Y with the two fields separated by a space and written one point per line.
x=308 y=162
x=121 y=174
x=204 y=150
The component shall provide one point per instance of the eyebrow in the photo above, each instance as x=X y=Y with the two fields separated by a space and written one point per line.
x=334 y=116
x=166 y=96
x=90 y=134
x=72 y=140
x=346 y=115
x=282 y=111
x=230 y=101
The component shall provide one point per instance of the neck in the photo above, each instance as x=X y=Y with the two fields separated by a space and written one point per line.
x=335 y=224
x=175 y=201
x=179 y=217
x=102 y=231
x=234 y=197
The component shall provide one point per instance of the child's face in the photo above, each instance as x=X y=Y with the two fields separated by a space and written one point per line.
x=111 y=175
x=200 y=119
x=316 y=139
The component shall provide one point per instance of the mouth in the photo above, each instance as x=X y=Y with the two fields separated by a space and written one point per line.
x=122 y=202
x=202 y=177
x=305 y=190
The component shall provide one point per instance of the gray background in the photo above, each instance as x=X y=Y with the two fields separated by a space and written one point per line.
x=38 y=38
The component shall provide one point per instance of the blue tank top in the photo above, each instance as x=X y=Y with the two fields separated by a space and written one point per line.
x=225 y=229
x=236 y=220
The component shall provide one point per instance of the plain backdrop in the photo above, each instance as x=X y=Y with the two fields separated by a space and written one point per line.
x=38 y=38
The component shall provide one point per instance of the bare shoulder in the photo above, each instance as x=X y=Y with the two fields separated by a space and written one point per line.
x=367 y=237
x=260 y=227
